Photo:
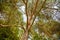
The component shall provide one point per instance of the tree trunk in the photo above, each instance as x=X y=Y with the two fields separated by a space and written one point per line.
x=25 y=35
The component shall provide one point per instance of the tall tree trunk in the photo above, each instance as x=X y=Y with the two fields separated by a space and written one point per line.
x=25 y=35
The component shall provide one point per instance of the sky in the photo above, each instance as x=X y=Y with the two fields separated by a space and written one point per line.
x=23 y=11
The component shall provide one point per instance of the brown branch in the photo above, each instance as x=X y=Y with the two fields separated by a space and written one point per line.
x=22 y=27
x=2 y=25
x=25 y=35
x=37 y=12
x=26 y=13
x=42 y=6
x=35 y=6
x=34 y=10
x=23 y=1
x=32 y=6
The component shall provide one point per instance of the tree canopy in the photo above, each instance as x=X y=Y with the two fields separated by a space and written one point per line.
x=41 y=20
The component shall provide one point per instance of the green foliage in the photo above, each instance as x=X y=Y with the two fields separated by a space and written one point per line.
x=11 y=13
x=13 y=17
x=7 y=34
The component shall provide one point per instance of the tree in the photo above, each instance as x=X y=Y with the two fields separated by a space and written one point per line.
x=39 y=13
x=39 y=9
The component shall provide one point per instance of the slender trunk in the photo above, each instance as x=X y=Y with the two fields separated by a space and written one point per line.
x=25 y=35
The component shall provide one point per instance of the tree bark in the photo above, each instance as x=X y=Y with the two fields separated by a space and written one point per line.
x=25 y=35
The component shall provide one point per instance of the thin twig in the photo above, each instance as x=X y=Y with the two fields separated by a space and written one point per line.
x=2 y=25
x=52 y=8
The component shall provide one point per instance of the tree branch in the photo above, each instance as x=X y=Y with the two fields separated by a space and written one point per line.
x=42 y=6
x=34 y=10
x=2 y=25
x=26 y=13
x=35 y=6
x=37 y=12
x=23 y=1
